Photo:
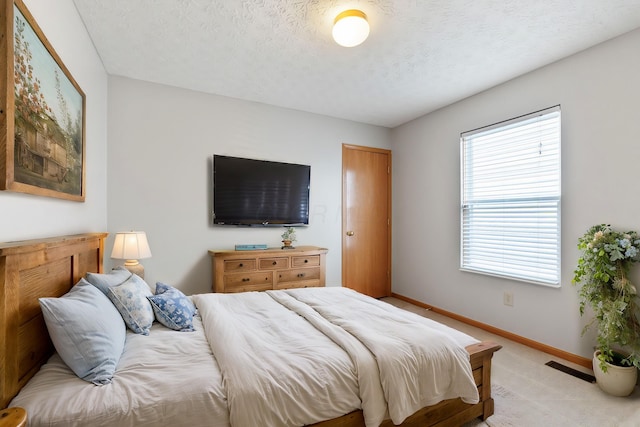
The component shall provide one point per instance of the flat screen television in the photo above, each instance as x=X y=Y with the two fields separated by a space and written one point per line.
x=260 y=192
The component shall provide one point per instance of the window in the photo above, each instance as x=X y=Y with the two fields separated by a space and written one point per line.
x=510 y=207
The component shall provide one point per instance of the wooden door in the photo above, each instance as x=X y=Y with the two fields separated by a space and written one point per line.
x=366 y=220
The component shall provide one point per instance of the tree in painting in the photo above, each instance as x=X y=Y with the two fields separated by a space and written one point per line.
x=30 y=102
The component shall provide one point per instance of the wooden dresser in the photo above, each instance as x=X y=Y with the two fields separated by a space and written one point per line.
x=261 y=270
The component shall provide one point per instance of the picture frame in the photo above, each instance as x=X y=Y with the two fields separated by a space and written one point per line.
x=42 y=113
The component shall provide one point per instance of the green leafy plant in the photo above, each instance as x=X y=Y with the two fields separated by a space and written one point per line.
x=289 y=234
x=603 y=275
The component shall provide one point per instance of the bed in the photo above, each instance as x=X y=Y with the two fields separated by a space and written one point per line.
x=50 y=267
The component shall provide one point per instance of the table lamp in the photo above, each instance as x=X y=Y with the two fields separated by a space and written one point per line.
x=131 y=246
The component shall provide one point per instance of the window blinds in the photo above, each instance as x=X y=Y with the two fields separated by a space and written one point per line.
x=510 y=210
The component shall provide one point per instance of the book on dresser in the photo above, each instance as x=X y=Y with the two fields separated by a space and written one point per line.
x=261 y=270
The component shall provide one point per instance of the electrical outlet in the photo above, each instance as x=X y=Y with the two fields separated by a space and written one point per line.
x=507 y=298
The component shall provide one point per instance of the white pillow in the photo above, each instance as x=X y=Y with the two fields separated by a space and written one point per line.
x=87 y=331
x=130 y=298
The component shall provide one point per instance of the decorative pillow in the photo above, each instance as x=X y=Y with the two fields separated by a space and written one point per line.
x=115 y=277
x=87 y=331
x=161 y=288
x=172 y=308
x=130 y=298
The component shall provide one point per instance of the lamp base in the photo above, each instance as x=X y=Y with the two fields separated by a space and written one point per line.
x=135 y=267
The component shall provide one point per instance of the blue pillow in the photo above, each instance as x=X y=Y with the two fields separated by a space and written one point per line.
x=161 y=288
x=115 y=277
x=130 y=298
x=87 y=331
x=172 y=308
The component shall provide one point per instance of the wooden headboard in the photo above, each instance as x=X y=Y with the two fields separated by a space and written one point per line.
x=29 y=270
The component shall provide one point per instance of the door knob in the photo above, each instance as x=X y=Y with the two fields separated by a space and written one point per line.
x=350 y=233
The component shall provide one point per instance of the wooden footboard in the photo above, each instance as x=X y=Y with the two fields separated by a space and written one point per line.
x=29 y=270
x=448 y=413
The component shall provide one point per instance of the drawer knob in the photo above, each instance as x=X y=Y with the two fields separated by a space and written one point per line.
x=241 y=265
x=245 y=279
x=306 y=261
x=274 y=263
x=301 y=275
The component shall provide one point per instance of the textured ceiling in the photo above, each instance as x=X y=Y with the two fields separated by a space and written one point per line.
x=421 y=54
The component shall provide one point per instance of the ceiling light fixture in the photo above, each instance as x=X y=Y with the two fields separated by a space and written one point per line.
x=350 y=28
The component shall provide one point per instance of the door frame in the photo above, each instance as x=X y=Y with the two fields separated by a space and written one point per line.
x=345 y=148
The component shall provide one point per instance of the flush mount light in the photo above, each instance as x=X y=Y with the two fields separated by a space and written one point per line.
x=350 y=28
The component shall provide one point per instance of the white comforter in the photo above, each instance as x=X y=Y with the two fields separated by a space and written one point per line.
x=279 y=358
x=301 y=356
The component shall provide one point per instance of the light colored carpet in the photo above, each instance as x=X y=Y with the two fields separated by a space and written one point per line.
x=528 y=393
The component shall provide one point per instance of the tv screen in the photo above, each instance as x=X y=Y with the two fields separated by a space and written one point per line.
x=259 y=192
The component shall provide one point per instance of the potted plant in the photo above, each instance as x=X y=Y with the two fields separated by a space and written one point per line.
x=603 y=273
x=288 y=237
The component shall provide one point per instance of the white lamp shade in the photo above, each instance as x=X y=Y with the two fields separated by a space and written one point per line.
x=131 y=245
x=350 y=28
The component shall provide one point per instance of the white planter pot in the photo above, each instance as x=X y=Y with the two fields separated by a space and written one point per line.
x=618 y=380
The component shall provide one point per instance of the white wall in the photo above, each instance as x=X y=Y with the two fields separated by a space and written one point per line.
x=161 y=140
x=24 y=216
x=598 y=90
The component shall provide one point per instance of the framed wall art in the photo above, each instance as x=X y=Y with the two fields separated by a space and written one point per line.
x=42 y=112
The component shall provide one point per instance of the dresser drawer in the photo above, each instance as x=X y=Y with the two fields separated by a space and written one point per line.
x=305 y=261
x=241 y=282
x=271 y=268
x=273 y=263
x=302 y=284
x=299 y=274
x=235 y=265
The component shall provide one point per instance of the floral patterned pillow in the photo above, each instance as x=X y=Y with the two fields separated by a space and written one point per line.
x=130 y=298
x=104 y=281
x=161 y=288
x=172 y=308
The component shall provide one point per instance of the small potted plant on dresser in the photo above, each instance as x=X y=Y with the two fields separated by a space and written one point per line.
x=603 y=275
x=288 y=237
